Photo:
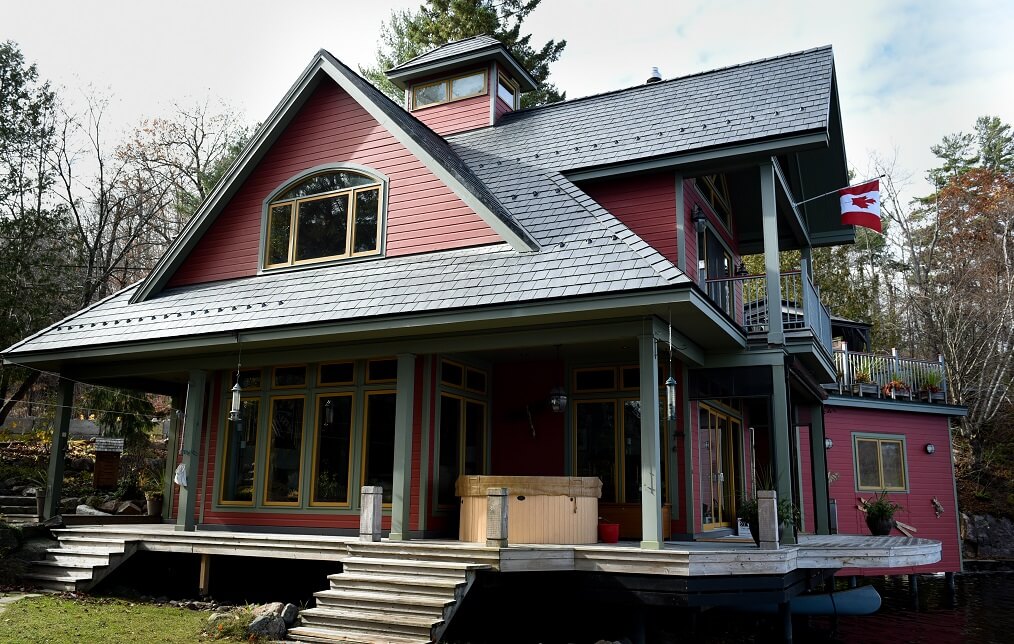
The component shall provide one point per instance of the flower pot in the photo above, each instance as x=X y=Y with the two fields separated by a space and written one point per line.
x=154 y=507
x=609 y=532
x=880 y=526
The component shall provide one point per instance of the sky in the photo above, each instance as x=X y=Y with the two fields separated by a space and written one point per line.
x=908 y=72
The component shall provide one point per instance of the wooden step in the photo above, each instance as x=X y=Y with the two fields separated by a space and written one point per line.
x=370 y=621
x=422 y=552
x=326 y=636
x=347 y=598
x=404 y=584
x=410 y=567
x=6 y=501
x=70 y=567
x=66 y=555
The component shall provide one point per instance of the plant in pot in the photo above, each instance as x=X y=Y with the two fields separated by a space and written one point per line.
x=930 y=386
x=154 y=489
x=880 y=514
x=788 y=514
x=862 y=376
x=895 y=386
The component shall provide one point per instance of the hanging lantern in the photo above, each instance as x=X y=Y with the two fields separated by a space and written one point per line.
x=670 y=398
x=234 y=412
x=328 y=412
x=557 y=399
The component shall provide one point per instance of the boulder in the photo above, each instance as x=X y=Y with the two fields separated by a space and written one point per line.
x=30 y=491
x=130 y=508
x=989 y=537
x=109 y=507
x=268 y=626
x=289 y=614
x=274 y=608
x=53 y=522
x=89 y=510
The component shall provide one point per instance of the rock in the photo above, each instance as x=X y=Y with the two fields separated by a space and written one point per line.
x=29 y=491
x=109 y=507
x=129 y=508
x=89 y=510
x=289 y=614
x=268 y=626
x=989 y=537
x=54 y=522
x=220 y=617
x=274 y=608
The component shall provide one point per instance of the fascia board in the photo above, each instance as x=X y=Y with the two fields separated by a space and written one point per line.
x=496 y=53
x=897 y=405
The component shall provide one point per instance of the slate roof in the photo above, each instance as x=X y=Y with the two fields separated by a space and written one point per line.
x=517 y=165
x=450 y=50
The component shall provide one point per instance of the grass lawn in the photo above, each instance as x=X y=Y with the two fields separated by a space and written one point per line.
x=55 y=620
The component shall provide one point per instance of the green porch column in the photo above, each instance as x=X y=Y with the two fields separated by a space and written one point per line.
x=651 y=471
x=781 y=462
x=58 y=453
x=401 y=495
x=192 y=417
x=772 y=271
x=818 y=454
x=175 y=422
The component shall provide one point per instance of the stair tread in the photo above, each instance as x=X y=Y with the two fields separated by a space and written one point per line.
x=329 y=635
x=372 y=616
x=412 y=580
x=391 y=597
x=54 y=576
x=48 y=563
x=459 y=565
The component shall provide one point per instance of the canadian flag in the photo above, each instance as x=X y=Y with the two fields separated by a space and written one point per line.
x=860 y=205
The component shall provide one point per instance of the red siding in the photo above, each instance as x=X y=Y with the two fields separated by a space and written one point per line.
x=930 y=476
x=646 y=204
x=423 y=214
x=513 y=448
x=456 y=116
x=502 y=108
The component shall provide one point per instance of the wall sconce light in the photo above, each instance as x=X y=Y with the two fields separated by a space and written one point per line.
x=741 y=270
x=930 y=448
x=698 y=217
x=828 y=443
x=557 y=400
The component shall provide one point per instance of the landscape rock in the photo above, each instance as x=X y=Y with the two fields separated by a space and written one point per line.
x=53 y=522
x=28 y=491
x=109 y=507
x=988 y=537
x=89 y=510
x=129 y=508
x=274 y=608
x=289 y=614
x=268 y=626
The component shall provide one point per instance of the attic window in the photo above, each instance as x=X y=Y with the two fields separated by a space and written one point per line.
x=716 y=191
x=449 y=89
x=506 y=91
x=331 y=215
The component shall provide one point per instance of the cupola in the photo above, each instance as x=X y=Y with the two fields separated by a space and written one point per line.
x=462 y=85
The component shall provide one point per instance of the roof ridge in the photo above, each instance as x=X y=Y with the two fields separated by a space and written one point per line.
x=528 y=110
x=439 y=47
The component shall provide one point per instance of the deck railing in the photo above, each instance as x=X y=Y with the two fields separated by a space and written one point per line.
x=745 y=299
x=890 y=376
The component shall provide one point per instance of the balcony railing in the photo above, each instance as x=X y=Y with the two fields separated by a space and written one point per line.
x=889 y=376
x=745 y=299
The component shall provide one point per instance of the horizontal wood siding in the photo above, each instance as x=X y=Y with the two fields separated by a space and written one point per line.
x=929 y=476
x=423 y=214
x=644 y=203
x=501 y=107
x=456 y=116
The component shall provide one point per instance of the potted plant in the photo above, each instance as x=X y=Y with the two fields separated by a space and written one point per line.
x=788 y=514
x=880 y=514
x=862 y=377
x=154 y=489
x=930 y=389
x=896 y=385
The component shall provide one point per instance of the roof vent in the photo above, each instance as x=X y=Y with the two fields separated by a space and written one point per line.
x=655 y=76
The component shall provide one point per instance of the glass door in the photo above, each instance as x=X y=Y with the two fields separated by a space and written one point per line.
x=718 y=437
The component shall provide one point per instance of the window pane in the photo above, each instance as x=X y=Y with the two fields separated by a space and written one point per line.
x=632 y=451
x=476 y=380
x=429 y=94
x=505 y=92
x=339 y=373
x=365 y=233
x=595 y=379
x=868 y=464
x=327 y=182
x=240 y=451
x=893 y=463
x=595 y=442
x=475 y=432
x=334 y=431
x=632 y=378
x=468 y=86
x=321 y=227
x=378 y=370
x=452 y=374
x=250 y=379
x=290 y=376
x=380 y=442
x=450 y=422
x=278 y=234
x=286 y=440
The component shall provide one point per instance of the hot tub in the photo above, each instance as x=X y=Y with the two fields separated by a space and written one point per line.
x=541 y=509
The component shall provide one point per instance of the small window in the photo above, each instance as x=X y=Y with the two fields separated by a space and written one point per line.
x=595 y=379
x=505 y=91
x=336 y=373
x=631 y=377
x=452 y=373
x=250 y=379
x=290 y=376
x=449 y=89
x=332 y=215
x=716 y=191
x=381 y=370
x=475 y=380
x=880 y=463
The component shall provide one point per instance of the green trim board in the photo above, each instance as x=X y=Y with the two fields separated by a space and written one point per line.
x=884 y=404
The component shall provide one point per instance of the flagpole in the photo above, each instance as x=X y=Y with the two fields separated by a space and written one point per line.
x=830 y=192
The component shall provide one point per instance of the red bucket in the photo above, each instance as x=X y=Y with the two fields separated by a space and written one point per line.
x=609 y=532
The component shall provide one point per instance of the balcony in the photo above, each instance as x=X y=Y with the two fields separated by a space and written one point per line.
x=744 y=298
x=889 y=376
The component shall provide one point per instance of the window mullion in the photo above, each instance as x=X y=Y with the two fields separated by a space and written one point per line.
x=294 y=228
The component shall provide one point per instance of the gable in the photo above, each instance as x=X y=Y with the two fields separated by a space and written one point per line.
x=423 y=213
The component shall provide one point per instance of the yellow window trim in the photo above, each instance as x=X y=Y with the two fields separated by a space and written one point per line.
x=274 y=371
x=267 y=461
x=615 y=386
x=880 y=464
x=316 y=447
x=227 y=428
x=448 y=82
x=333 y=383
x=373 y=381
x=366 y=435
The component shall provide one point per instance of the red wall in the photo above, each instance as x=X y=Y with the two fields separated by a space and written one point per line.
x=930 y=475
x=502 y=108
x=423 y=214
x=514 y=449
x=456 y=116
x=646 y=204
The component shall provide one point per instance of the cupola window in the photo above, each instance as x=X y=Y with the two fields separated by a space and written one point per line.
x=449 y=89
x=331 y=215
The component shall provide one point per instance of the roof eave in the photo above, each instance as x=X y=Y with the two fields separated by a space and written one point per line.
x=399 y=75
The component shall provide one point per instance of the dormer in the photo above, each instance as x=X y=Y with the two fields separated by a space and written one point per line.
x=462 y=85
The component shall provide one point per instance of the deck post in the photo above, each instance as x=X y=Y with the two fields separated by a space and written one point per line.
x=772 y=268
x=651 y=479
x=371 y=497
x=204 y=583
x=192 y=415
x=781 y=459
x=818 y=453
x=767 y=519
x=401 y=493
x=58 y=452
x=497 y=521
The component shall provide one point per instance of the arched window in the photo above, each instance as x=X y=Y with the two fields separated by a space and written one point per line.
x=329 y=215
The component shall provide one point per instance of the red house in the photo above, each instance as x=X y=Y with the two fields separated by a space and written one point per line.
x=405 y=295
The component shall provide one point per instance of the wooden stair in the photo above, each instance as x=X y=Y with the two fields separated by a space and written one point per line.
x=80 y=561
x=394 y=593
x=18 y=510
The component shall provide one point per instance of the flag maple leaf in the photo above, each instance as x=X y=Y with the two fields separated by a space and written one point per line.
x=863 y=202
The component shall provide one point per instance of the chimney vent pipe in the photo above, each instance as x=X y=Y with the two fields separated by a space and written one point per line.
x=655 y=76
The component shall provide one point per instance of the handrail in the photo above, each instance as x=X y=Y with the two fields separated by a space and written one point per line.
x=890 y=374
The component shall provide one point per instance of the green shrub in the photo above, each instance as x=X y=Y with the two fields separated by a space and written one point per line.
x=232 y=625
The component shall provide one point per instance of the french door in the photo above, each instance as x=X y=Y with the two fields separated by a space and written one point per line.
x=719 y=443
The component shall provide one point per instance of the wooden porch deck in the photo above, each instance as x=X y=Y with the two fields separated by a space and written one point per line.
x=687 y=559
